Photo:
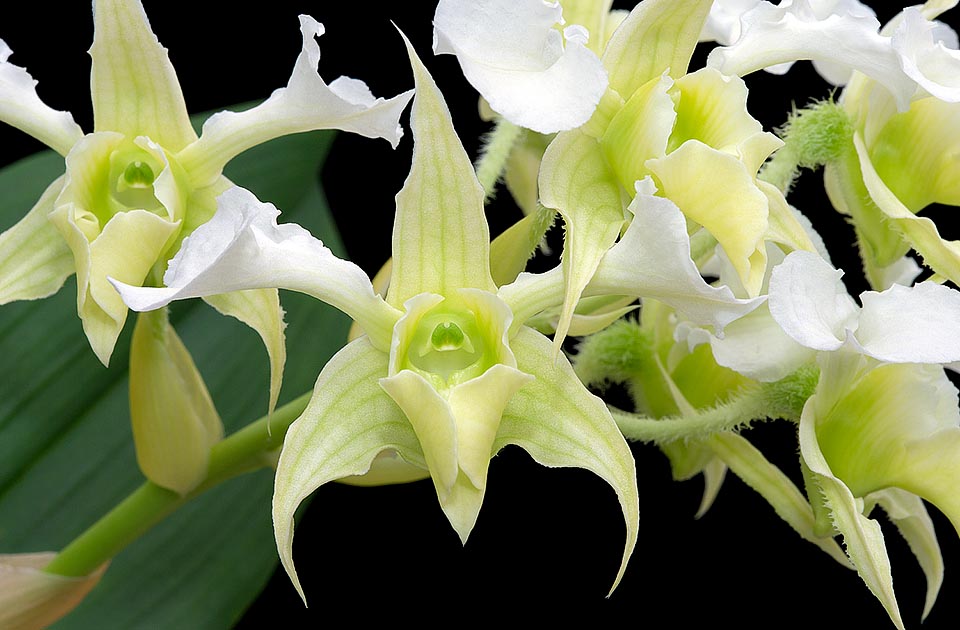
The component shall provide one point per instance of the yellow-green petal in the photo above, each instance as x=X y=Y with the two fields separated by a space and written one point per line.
x=658 y=36
x=441 y=240
x=716 y=190
x=561 y=424
x=575 y=180
x=260 y=310
x=134 y=87
x=34 y=259
x=350 y=419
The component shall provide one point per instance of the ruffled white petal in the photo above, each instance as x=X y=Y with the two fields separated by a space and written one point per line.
x=652 y=259
x=21 y=107
x=919 y=324
x=242 y=247
x=809 y=301
x=511 y=53
x=307 y=103
x=835 y=35
x=723 y=22
x=924 y=49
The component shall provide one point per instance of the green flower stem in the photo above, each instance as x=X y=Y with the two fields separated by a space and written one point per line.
x=495 y=152
x=782 y=399
x=738 y=412
x=246 y=450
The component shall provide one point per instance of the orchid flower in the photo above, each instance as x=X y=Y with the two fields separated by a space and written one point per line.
x=882 y=427
x=143 y=180
x=908 y=57
x=690 y=132
x=445 y=374
x=901 y=162
x=902 y=100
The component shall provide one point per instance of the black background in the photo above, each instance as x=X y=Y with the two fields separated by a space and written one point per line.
x=548 y=542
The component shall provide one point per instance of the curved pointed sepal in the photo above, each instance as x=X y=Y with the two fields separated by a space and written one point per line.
x=441 y=240
x=652 y=259
x=22 y=108
x=748 y=463
x=909 y=514
x=658 y=36
x=576 y=180
x=34 y=259
x=31 y=598
x=862 y=537
x=134 y=87
x=921 y=233
x=529 y=72
x=348 y=422
x=242 y=247
x=307 y=103
x=260 y=310
x=561 y=424
x=175 y=423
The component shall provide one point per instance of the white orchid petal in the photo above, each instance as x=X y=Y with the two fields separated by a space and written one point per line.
x=919 y=324
x=927 y=59
x=305 y=104
x=21 y=107
x=847 y=34
x=652 y=259
x=511 y=53
x=723 y=22
x=754 y=345
x=807 y=298
x=243 y=247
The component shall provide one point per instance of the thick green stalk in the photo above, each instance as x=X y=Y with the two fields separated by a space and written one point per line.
x=248 y=449
x=495 y=152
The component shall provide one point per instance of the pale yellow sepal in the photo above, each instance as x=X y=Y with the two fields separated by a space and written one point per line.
x=441 y=240
x=916 y=153
x=716 y=190
x=862 y=536
x=921 y=233
x=512 y=249
x=134 y=87
x=640 y=131
x=34 y=259
x=672 y=25
x=260 y=310
x=30 y=598
x=175 y=423
x=908 y=512
x=576 y=180
x=350 y=420
x=593 y=15
x=561 y=424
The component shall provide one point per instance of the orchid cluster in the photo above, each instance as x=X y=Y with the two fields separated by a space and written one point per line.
x=684 y=268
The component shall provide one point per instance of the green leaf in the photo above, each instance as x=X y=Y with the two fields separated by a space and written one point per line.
x=66 y=453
